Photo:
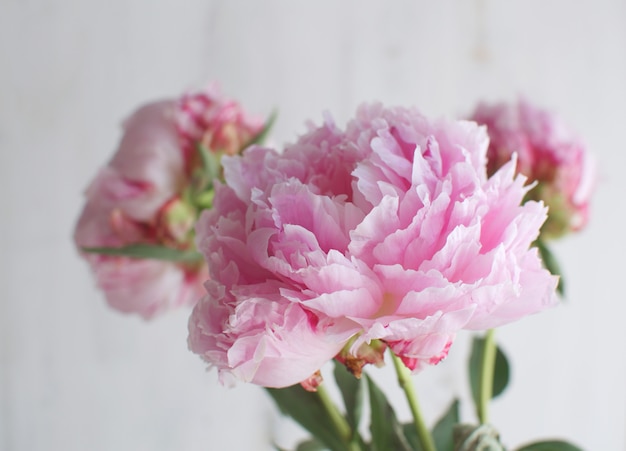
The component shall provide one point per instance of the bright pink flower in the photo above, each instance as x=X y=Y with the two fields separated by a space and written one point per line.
x=146 y=195
x=548 y=153
x=387 y=231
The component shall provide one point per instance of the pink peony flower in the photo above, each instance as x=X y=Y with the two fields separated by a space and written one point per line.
x=548 y=153
x=387 y=233
x=147 y=194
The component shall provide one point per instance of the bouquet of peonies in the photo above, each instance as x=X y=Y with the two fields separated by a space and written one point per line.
x=383 y=238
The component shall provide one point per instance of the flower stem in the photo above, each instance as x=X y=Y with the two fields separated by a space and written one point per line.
x=341 y=425
x=486 y=376
x=404 y=379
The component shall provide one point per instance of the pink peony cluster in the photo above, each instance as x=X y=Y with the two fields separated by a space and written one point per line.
x=386 y=233
x=547 y=153
x=145 y=195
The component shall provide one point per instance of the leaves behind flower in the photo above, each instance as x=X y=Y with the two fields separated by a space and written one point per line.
x=550 y=445
x=501 y=370
x=311 y=445
x=147 y=251
x=307 y=409
x=387 y=432
x=442 y=432
x=352 y=393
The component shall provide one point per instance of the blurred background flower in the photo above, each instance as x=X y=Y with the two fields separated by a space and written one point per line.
x=548 y=153
x=146 y=200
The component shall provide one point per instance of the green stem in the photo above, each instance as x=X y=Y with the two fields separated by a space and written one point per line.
x=404 y=379
x=486 y=376
x=341 y=425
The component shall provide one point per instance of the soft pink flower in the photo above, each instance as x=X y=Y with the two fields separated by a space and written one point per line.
x=548 y=153
x=221 y=125
x=389 y=230
x=145 y=195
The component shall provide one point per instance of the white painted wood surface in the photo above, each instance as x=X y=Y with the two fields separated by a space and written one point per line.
x=76 y=376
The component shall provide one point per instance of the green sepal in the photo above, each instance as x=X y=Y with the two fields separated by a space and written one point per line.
x=501 y=370
x=148 y=252
x=387 y=432
x=307 y=409
x=204 y=200
x=352 y=391
x=551 y=264
x=203 y=177
x=210 y=161
x=550 y=445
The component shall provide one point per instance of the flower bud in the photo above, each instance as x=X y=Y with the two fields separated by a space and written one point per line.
x=313 y=382
x=468 y=437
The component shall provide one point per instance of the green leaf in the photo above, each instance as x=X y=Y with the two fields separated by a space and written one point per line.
x=260 y=137
x=352 y=392
x=551 y=264
x=307 y=409
x=443 y=430
x=311 y=445
x=501 y=370
x=387 y=432
x=147 y=251
x=411 y=436
x=550 y=445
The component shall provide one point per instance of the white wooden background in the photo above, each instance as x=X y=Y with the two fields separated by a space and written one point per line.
x=75 y=375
